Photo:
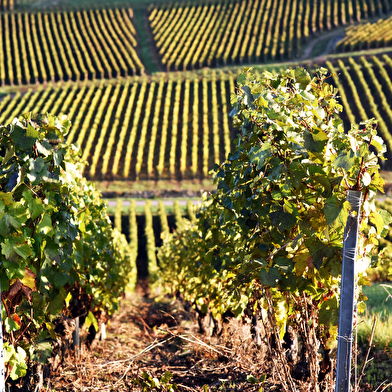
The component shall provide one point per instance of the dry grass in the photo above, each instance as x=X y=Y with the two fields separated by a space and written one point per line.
x=162 y=337
x=149 y=337
x=159 y=337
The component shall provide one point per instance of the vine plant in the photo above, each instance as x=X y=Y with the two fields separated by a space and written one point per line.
x=59 y=253
x=272 y=234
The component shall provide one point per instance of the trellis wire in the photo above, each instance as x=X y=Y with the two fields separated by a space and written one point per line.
x=347 y=293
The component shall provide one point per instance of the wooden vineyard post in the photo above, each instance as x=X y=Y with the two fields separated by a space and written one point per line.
x=2 y=375
x=346 y=311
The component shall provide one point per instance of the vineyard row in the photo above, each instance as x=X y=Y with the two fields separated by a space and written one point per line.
x=61 y=46
x=7 y=5
x=141 y=129
x=178 y=128
x=367 y=36
x=146 y=230
x=229 y=32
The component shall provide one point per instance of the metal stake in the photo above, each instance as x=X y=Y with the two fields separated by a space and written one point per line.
x=346 y=311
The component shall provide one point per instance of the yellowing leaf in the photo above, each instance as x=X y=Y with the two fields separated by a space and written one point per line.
x=29 y=279
x=378 y=221
x=6 y=197
x=300 y=261
x=50 y=328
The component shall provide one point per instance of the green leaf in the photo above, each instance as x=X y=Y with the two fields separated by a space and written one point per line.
x=316 y=141
x=345 y=160
x=45 y=225
x=282 y=220
x=308 y=96
x=378 y=143
x=13 y=247
x=336 y=211
x=364 y=281
x=166 y=377
x=241 y=78
x=44 y=148
x=35 y=205
x=56 y=305
x=24 y=138
x=258 y=155
x=284 y=264
x=252 y=379
x=9 y=153
x=329 y=311
x=248 y=97
x=50 y=328
x=271 y=277
x=318 y=251
x=41 y=352
x=7 y=222
x=290 y=208
x=366 y=179
x=386 y=216
x=19 y=366
x=378 y=220
x=6 y=197
x=323 y=180
x=61 y=279
x=361 y=307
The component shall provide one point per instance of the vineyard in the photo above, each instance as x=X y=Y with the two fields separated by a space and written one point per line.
x=177 y=127
x=145 y=229
x=63 y=46
x=137 y=97
x=366 y=36
x=189 y=37
x=7 y=5
x=159 y=128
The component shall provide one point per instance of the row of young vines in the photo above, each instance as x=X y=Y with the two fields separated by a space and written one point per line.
x=226 y=32
x=147 y=225
x=366 y=90
x=60 y=46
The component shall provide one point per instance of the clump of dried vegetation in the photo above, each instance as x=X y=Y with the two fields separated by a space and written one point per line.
x=158 y=346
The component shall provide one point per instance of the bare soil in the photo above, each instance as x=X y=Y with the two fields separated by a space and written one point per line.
x=147 y=339
x=159 y=337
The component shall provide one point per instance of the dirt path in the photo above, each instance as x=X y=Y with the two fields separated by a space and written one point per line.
x=145 y=339
x=333 y=38
x=156 y=346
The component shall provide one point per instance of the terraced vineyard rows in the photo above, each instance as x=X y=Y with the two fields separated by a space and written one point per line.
x=226 y=32
x=62 y=46
x=140 y=128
